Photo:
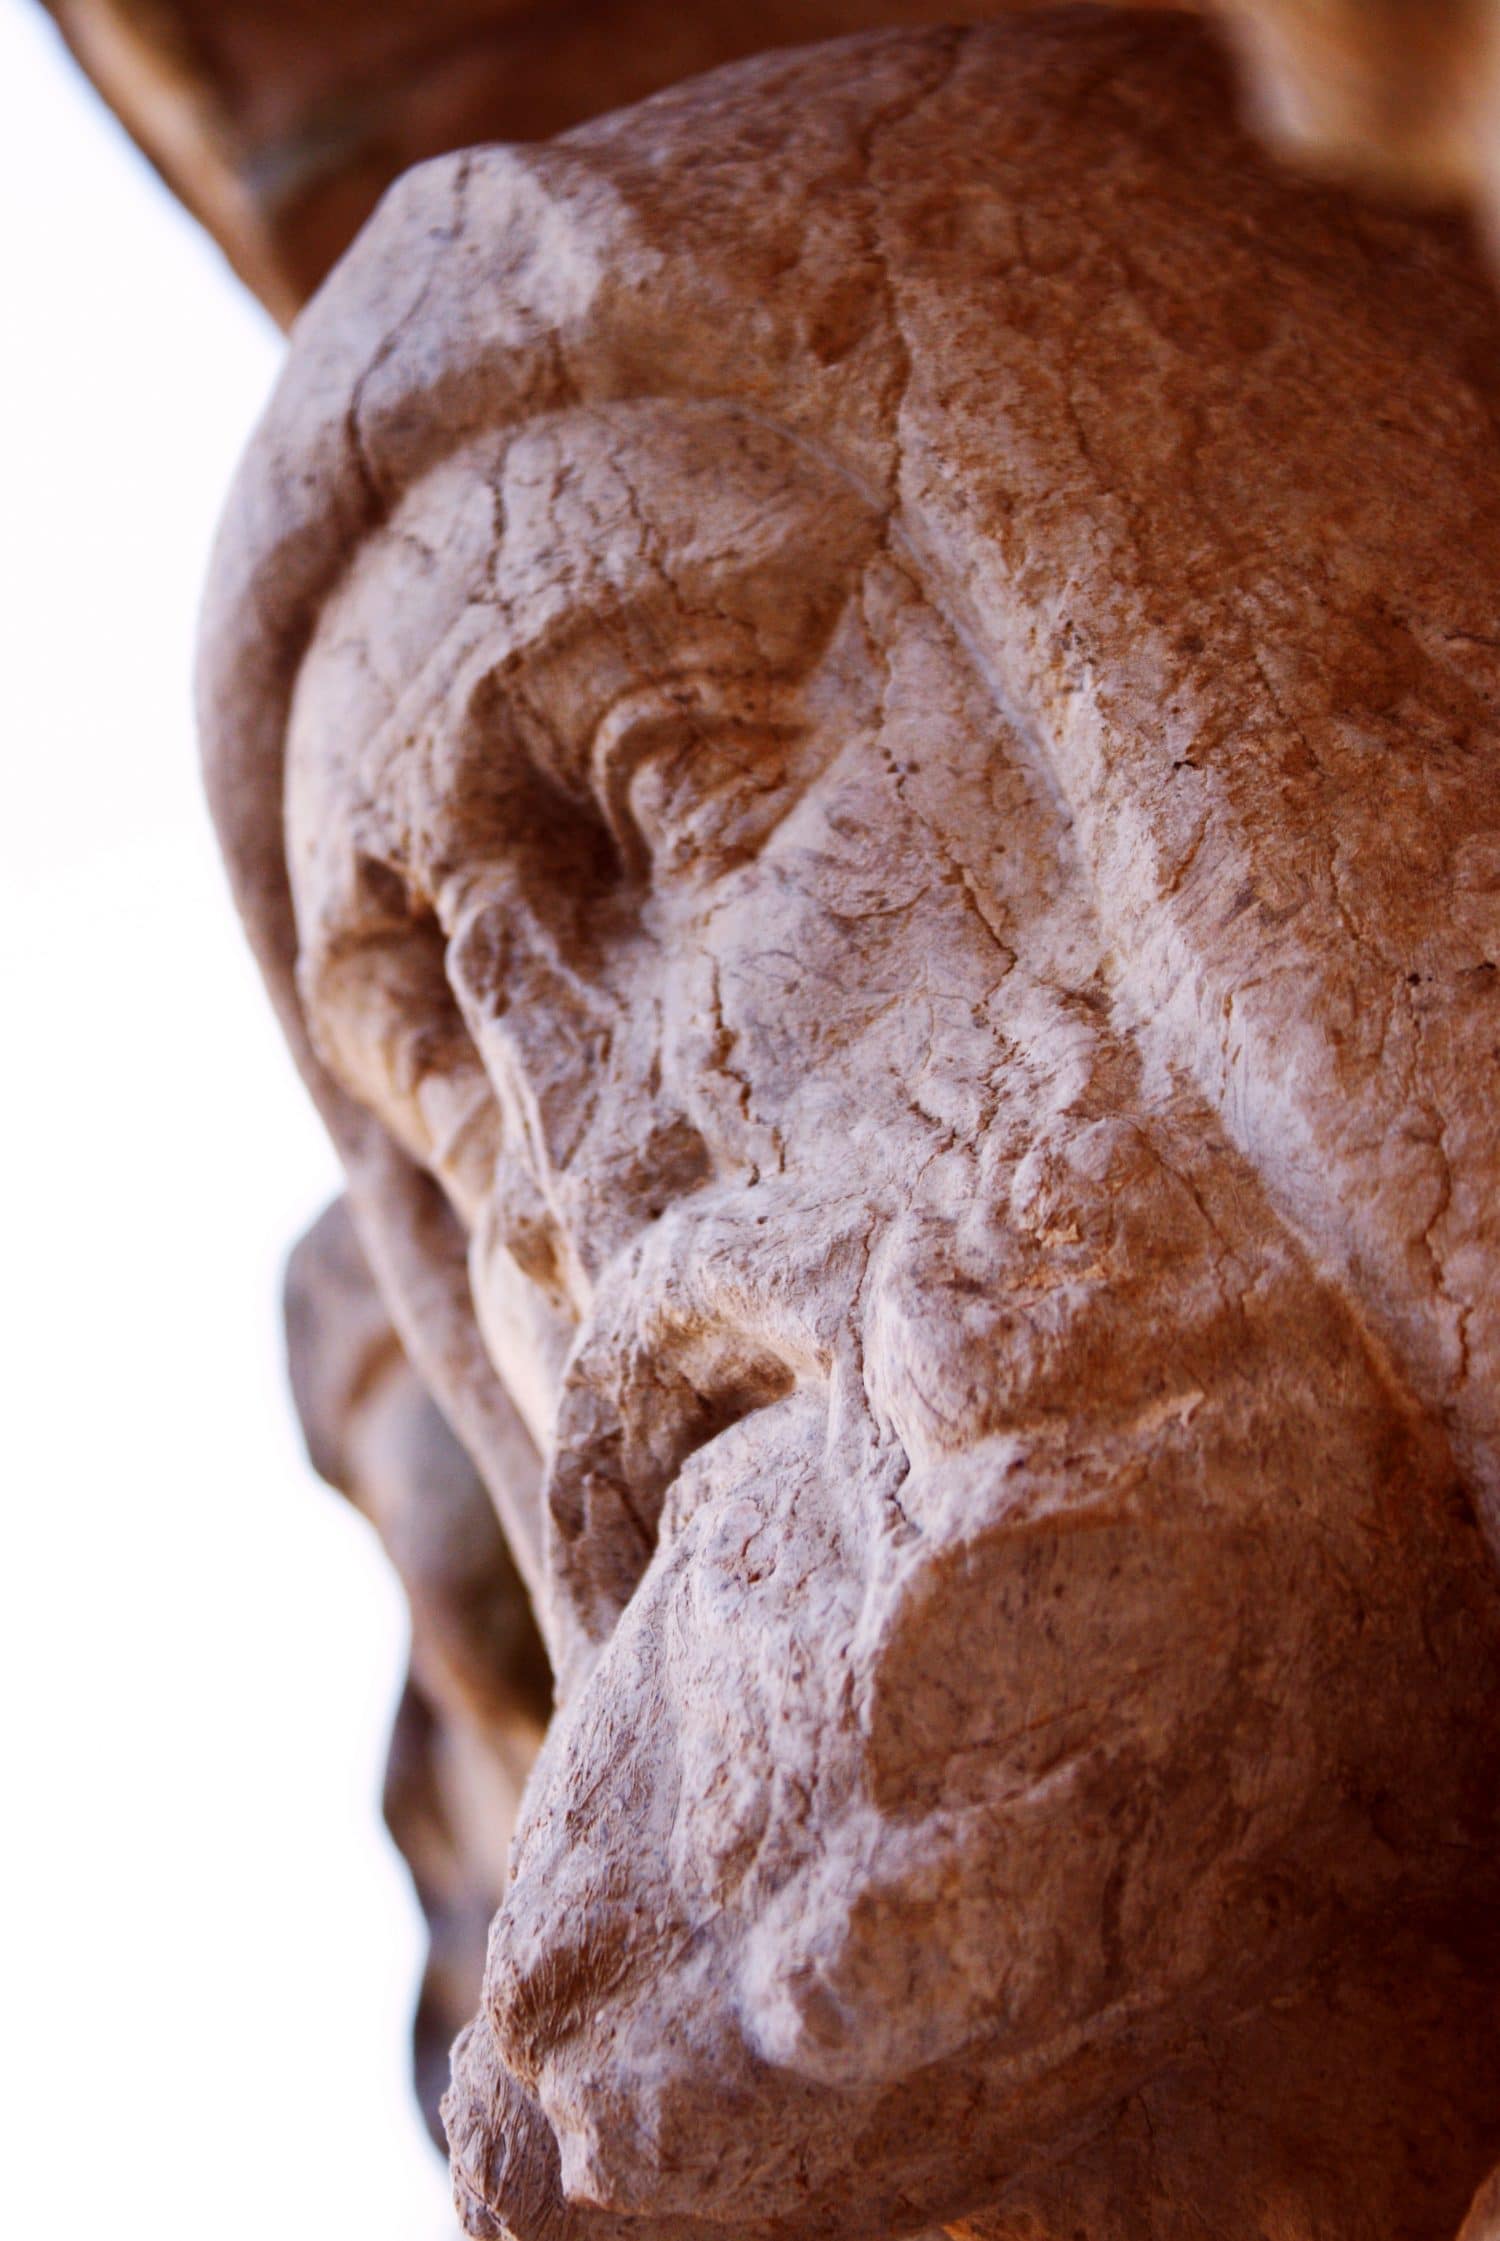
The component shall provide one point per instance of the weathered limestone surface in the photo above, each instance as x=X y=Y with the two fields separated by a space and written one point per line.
x=854 y=715
x=279 y=122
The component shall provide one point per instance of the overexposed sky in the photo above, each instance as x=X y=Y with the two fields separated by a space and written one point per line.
x=208 y=1952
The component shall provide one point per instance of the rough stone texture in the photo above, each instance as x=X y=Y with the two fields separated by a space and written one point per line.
x=478 y=1692
x=279 y=122
x=854 y=715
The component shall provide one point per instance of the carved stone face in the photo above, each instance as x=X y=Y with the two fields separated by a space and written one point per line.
x=838 y=739
x=957 y=1485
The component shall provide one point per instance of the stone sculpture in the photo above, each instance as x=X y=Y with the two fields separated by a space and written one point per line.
x=279 y=125
x=853 y=714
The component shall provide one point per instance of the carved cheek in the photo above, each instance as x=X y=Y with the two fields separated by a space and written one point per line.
x=784 y=1015
x=1051 y=1805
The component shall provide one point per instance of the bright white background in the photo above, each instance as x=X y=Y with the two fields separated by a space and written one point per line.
x=209 y=1952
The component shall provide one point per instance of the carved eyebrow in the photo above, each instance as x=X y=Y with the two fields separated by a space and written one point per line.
x=601 y=664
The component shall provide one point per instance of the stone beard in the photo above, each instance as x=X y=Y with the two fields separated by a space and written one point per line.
x=855 y=717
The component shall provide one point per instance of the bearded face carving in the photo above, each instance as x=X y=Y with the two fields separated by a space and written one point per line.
x=822 y=902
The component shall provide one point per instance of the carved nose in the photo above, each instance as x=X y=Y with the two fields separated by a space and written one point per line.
x=626 y=1430
x=503 y=2154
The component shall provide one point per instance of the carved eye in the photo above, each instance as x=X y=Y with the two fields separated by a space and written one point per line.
x=693 y=777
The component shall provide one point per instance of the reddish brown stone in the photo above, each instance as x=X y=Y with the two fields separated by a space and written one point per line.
x=855 y=716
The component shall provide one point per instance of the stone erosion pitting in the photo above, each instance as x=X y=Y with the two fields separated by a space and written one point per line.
x=854 y=716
